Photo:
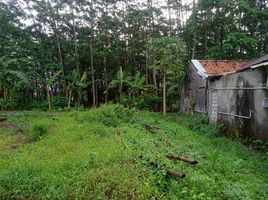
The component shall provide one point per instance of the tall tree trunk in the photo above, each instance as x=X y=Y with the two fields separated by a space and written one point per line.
x=91 y=58
x=96 y=93
x=48 y=98
x=54 y=26
x=92 y=76
x=105 y=57
x=59 y=51
x=155 y=82
x=120 y=85
x=170 y=20
x=146 y=70
x=75 y=47
x=105 y=79
x=194 y=37
x=78 y=99
x=205 y=43
x=152 y=29
x=164 y=94
x=69 y=99
x=221 y=38
x=178 y=19
x=125 y=7
x=205 y=38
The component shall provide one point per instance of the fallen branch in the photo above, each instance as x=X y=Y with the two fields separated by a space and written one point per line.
x=119 y=133
x=123 y=142
x=174 y=172
x=169 y=170
x=182 y=158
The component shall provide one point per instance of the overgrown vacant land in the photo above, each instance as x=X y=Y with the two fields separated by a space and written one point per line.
x=116 y=153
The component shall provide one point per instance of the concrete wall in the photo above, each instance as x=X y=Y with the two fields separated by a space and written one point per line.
x=196 y=88
x=241 y=102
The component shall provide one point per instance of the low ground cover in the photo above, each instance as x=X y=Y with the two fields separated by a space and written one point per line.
x=117 y=153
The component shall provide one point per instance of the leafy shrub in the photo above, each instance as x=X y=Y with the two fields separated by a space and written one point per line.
x=98 y=129
x=145 y=101
x=57 y=103
x=39 y=130
x=259 y=145
x=89 y=161
x=149 y=101
x=201 y=124
x=109 y=115
x=37 y=105
x=7 y=104
x=236 y=191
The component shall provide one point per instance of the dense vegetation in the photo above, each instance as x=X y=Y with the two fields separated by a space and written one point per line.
x=117 y=153
x=58 y=54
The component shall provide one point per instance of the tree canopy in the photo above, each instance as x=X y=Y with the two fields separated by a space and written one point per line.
x=93 y=50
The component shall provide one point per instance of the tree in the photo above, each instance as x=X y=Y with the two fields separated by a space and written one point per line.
x=10 y=82
x=48 y=81
x=227 y=29
x=167 y=55
x=122 y=79
x=78 y=85
x=107 y=38
x=137 y=84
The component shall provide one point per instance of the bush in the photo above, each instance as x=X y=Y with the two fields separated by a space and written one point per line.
x=39 y=130
x=259 y=145
x=7 y=104
x=36 y=105
x=201 y=124
x=57 y=103
x=144 y=101
x=98 y=129
x=109 y=115
x=150 y=100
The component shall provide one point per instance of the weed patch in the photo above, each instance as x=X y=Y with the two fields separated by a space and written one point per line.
x=201 y=124
x=109 y=115
x=116 y=153
x=39 y=130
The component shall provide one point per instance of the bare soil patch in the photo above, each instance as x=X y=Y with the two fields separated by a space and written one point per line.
x=7 y=125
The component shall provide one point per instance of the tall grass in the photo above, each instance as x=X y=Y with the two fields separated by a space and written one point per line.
x=80 y=155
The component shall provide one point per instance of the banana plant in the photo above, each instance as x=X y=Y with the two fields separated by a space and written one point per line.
x=122 y=79
x=137 y=85
x=10 y=80
x=78 y=85
x=48 y=81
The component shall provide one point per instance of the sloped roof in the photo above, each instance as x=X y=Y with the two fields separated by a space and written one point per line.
x=222 y=67
x=257 y=63
x=208 y=68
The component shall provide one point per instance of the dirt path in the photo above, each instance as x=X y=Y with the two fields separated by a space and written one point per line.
x=15 y=113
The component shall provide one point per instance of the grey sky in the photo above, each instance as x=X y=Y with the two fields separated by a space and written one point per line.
x=157 y=3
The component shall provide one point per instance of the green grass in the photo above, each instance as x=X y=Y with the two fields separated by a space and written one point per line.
x=80 y=155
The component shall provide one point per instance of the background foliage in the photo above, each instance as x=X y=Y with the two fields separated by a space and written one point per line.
x=90 y=52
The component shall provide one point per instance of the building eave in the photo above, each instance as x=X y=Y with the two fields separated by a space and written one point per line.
x=200 y=69
x=259 y=65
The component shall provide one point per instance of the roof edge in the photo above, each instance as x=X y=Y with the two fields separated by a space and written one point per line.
x=200 y=69
x=259 y=65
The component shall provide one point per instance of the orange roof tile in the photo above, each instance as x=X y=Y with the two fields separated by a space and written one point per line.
x=222 y=67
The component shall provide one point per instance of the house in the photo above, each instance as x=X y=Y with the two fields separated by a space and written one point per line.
x=233 y=92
